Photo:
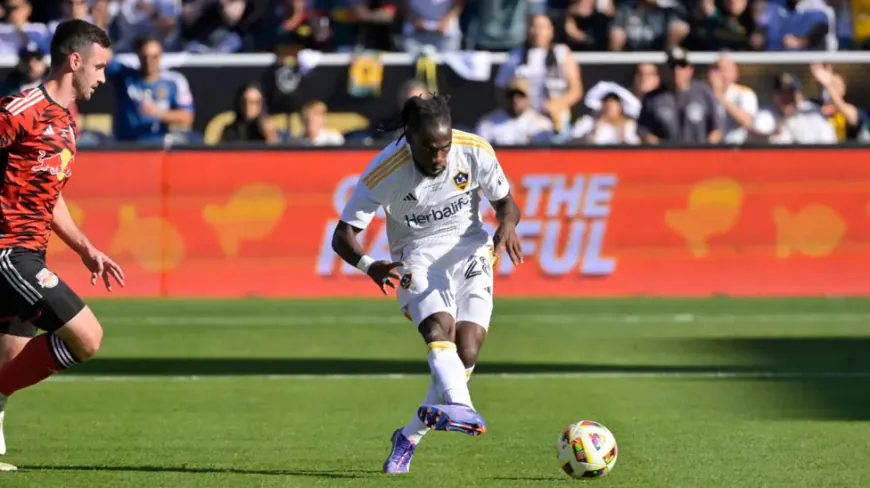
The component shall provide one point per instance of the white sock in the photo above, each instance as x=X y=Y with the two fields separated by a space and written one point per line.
x=416 y=429
x=449 y=372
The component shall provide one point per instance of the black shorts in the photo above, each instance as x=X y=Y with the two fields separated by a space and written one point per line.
x=31 y=295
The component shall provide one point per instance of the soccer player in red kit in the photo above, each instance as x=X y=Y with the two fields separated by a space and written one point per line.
x=37 y=158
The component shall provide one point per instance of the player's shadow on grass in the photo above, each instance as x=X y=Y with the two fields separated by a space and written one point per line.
x=351 y=473
x=820 y=377
x=816 y=377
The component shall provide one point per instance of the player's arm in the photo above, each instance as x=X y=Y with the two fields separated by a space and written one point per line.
x=11 y=127
x=507 y=213
x=355 y=217
x=65 y=227
x=98 y=263
x=182 y=110
x=495 y=186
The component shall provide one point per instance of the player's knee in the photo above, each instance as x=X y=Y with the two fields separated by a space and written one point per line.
x=83 y=334
x=438 y=327
x=89 y=344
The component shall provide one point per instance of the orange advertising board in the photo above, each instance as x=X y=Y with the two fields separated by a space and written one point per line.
x=595 y=222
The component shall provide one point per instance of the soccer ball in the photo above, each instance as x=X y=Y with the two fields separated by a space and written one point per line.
x=586 y=449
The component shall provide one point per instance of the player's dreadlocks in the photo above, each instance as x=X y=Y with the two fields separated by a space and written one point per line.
x=417 y=111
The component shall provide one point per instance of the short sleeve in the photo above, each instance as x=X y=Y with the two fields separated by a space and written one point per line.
x=749 y=102
x=183 y=97
x=362 y=206
x=490 y=176
x=764 y=122
x=12 y=125
x=372 y=189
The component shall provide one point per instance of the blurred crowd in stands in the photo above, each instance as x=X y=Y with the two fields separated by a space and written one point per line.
x=537 y=87
x=406 y=25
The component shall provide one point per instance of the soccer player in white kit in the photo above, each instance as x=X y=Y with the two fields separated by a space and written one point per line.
x=429 y=187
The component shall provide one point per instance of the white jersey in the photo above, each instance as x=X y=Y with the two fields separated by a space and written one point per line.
x=745 y=99
x=429 y=213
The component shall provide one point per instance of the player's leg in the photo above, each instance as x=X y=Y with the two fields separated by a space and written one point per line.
x=456 y=412
x=14 y=335
x=426 y=295
x=474 y=305
x=470 y=337
x=474 y=284
x=425 y=298
x=469 y=340
x=73 y=332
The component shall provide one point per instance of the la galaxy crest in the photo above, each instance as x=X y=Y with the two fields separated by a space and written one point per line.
x=405 y=282
x=462 y=179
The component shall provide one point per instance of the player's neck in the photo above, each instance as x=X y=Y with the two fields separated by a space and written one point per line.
x=60 y=91
x=150 y=78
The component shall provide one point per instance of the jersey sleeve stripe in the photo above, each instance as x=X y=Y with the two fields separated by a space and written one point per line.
x=392 y=169
x=465 y=139
x=383 y=166
x=17 y=101
x=471 y=137
x=20 y=105
x=468 y=135
x=477 y=145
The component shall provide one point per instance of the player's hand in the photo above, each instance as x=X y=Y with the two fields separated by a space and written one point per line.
x=506 y=239
x=383 y=273
x=101 y=266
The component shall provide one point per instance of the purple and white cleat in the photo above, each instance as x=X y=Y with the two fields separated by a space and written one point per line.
x=400 y=457
x=454 y=417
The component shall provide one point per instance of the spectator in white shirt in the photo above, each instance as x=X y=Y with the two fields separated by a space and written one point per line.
x=555 y=81
x=614 y=120
x=791 y=119
x=518 y=123
x=316 y=133
x=739 y=102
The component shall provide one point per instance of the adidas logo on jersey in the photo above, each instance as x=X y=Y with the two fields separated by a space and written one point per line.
x=410 y=198
x=48 y=131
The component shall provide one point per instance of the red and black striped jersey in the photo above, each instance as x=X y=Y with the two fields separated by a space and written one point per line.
x=37 y=150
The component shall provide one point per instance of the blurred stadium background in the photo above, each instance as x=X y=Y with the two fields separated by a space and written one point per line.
x=697 y=259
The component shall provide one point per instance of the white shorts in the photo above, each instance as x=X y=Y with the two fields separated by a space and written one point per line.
x=459 y=283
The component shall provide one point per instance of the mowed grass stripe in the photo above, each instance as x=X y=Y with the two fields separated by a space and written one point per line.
x=351 y=319
x=687 y=375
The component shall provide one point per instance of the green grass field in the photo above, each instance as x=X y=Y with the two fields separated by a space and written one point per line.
x=699 y=393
